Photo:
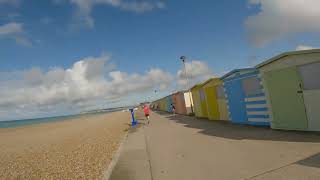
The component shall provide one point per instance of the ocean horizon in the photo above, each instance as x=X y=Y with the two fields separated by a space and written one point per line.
x=32 y=121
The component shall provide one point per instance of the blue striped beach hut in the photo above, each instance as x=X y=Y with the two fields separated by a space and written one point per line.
x=245 y=97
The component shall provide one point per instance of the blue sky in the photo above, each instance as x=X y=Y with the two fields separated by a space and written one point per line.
x=134 y=37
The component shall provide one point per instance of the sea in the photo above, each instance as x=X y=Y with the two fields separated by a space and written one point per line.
x=25 y=122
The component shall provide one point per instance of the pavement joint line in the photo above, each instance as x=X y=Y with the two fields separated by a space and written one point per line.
x=148 y=152
x=115 y=158
x=272 y=170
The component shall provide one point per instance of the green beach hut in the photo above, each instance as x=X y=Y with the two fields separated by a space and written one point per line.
x=292 y=86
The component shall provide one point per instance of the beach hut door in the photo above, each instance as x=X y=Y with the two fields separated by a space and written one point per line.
x=310 y=74
x=286 y=99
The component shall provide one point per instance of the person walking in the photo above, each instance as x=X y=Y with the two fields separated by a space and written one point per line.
x=173 y=109
x=146 y=111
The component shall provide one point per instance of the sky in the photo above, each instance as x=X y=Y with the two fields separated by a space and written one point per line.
x=60 y=57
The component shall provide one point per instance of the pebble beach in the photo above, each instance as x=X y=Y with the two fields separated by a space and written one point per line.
x=73 y=149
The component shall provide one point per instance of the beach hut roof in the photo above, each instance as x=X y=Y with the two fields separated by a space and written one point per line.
x=236 y=71
x=194 y=86
x=167 y=96
x=182 y=91
x=204 y=83
x=289 y=53
x=198 y=85
x=210 y=80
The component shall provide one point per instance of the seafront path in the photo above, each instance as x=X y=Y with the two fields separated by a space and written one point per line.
x=176 y=147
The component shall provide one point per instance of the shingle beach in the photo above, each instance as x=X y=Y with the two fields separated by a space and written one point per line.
x=71 y=149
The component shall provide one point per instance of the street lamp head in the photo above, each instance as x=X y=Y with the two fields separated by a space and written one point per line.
x=183 y=58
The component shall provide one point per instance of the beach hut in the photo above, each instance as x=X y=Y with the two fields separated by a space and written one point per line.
x=211 y=99
x=292 y=87
x=178 y=102
x=199 y=101
x=216 y=99
x=188 y=102
x=156 y=105
x=168 y=103
x=222 y=102
x=161 y=104
x=182 y=101
x=245 y=97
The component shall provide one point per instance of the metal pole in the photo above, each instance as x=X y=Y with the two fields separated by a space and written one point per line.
x=155 y=97
x=133 y=122
x=189 y=90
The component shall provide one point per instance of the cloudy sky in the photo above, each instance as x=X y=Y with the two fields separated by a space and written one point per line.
x=67 y=56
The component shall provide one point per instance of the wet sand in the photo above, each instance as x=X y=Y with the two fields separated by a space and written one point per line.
x=71 y=149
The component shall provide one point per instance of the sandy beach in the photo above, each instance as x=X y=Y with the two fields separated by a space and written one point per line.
x=72 y=149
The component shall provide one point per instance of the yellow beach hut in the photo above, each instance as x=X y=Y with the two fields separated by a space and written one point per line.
x=199 y=101
x=163 y=104
x=216 y=100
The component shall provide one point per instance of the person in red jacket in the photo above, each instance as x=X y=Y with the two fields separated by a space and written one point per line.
x=146 y=111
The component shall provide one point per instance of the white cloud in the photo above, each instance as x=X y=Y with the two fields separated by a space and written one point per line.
x=304 y=47
x=84 y=7
x=14 y=31
x=197 y=71
x=88 y=83
x=11 y=28
x=280 y=18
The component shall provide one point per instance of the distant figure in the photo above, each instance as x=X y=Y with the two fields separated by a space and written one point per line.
x=146 y=111
x=173 y=109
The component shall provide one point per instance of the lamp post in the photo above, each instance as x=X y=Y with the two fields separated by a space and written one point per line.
x=183 y=59
x=155 y=97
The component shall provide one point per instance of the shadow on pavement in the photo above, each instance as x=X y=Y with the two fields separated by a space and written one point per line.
x=225 y=129
x=163 y=113
x=312 y=161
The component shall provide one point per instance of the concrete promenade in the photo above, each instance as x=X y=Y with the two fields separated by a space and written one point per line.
x=175 y=147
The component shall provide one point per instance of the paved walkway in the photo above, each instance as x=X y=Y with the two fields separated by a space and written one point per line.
x=177 y=147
